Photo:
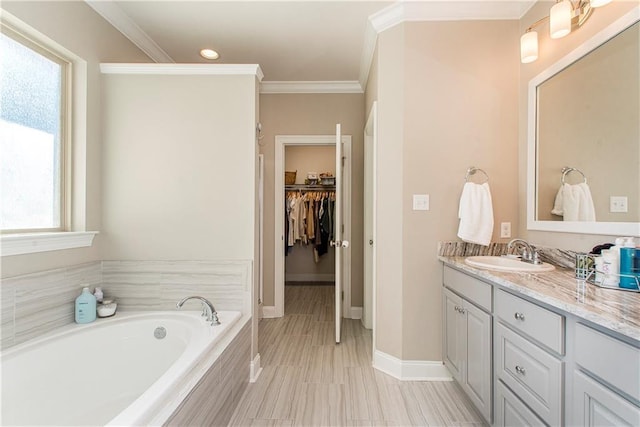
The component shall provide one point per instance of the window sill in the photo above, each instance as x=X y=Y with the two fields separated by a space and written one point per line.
x=28 y=243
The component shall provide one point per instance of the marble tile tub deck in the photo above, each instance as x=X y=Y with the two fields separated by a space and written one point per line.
x=618 y=311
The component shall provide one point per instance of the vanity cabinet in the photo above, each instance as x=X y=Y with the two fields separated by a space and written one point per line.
x=550 y=367
x=529 y=342
x=603 y=394
x=467 y=336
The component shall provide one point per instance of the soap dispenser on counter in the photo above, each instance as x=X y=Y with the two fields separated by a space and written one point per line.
x=85 y=307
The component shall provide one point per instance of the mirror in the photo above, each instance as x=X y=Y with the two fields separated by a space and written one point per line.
x=584 y=114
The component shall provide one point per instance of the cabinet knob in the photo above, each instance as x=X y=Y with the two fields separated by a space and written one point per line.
x=519 y=316
x=520 y=370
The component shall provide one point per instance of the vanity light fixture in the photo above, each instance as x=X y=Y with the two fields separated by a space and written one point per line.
x=209 y=54
x=564 y=16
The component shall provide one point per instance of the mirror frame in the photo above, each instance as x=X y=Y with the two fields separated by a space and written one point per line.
x=608 y=228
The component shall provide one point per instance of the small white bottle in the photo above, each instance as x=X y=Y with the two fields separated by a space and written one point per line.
x=610 y=267
x=98 y=294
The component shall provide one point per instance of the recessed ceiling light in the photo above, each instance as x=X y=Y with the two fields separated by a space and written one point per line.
x=209 y=54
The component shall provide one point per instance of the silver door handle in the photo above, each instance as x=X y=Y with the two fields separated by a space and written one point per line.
x=519 y=316
x=344 y=244
x=520 y=370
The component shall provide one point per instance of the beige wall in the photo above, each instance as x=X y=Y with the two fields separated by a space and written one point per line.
x=389 y=240
x=300 y=261
x=78 y=28
x=448 y=98
x=179 y=167
x=551 y=51
x=313 y=114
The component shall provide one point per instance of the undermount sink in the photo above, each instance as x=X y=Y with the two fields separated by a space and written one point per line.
x=502 y=263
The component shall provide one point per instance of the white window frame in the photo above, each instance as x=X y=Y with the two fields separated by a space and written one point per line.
x=74 y=234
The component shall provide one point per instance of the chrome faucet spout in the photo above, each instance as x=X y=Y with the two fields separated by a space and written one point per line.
x=528 y=254
x=208 y=311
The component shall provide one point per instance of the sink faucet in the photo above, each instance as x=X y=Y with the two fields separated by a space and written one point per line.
x=207 y=309
x=529 y=254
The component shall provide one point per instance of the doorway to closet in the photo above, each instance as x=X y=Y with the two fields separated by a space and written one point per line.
x=305 y=257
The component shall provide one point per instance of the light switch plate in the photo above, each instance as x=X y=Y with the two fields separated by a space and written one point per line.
x=420 y=202
x=618 y=204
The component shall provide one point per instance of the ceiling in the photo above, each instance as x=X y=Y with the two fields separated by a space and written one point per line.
x=328 y=40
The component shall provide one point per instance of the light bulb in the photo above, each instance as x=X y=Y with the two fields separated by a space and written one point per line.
x=599 y=3
x=560 y=19
x=529 y=47
x=209 y=54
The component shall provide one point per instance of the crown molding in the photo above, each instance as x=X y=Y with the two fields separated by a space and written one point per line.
x=311 y=87
x=409 y=11
x=183 y=69
x=114 y=15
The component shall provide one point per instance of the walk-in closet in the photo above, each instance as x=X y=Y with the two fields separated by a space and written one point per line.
x=309 y=216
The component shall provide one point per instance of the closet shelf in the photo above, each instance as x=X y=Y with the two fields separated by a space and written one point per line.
x=305 y=187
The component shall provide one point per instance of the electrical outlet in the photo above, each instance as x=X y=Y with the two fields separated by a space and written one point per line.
x=505 y=229
x=618 y=204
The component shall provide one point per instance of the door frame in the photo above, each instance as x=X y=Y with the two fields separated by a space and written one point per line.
x=281 y=142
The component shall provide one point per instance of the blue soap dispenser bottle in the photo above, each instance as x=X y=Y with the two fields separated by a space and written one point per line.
x=85 y=307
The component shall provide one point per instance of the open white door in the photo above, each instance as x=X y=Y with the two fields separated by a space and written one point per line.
x=337 y=242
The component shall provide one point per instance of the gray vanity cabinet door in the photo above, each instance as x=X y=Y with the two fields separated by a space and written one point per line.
x=477 y=381
x=453 y=334
x=511 y=412
x=596 y=405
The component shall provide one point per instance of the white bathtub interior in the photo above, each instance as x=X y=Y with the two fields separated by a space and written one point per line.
x=91 y=374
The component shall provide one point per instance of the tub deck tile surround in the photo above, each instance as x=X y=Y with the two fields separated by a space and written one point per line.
x=215 y=397
x=159 y=285
x=609 y=308
x=44 y=301
x=308 y=380
x=7 y=312
x=34 y=304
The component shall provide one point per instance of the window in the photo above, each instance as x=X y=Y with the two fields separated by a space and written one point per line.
x=34 y=117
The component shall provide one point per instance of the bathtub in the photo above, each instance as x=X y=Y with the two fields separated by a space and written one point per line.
x=117 y=371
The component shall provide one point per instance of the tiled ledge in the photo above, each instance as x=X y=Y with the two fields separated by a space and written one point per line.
x=37 y=303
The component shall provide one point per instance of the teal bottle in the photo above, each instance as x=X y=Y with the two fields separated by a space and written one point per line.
x=85 y=307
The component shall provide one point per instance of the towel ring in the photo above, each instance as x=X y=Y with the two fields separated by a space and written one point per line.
x=472 y=170
x=567 y=170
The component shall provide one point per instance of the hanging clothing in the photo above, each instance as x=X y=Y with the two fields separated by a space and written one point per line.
x=309 y=220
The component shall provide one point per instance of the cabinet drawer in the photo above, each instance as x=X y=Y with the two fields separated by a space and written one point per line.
x=596 y=405
x=539 y=323
x=531 y=372
x=472 y=289
x=605 y=356
x=511 y=412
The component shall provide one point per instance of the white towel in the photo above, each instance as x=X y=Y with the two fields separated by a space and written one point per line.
x=476 y=214
x=577 y=203
x=558 y=204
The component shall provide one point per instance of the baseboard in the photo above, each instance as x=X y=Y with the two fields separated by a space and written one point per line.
x=356 y=312
x=255 y=369
x=269 y=312
x=310 y=277
x=410 y=370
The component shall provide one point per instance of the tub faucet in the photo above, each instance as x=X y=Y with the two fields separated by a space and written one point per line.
x=529 y=254
x=207 y=309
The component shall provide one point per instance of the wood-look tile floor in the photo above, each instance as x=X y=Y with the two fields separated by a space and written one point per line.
x=308 y=380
